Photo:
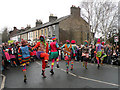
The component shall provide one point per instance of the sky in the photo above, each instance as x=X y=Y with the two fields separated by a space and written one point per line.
x=19 y=13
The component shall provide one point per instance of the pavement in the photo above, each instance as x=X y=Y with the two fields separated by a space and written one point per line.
x=105 y=77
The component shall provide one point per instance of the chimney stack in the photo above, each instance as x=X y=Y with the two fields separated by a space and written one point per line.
x=38 y=22
x=14 y=28
x=52 y=18
x=75 y=11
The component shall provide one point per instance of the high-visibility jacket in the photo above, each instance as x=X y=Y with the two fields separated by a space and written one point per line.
x=67 y=49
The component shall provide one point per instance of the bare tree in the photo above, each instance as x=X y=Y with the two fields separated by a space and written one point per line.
x=99 y=15
x=5 y=37
x=109 y=18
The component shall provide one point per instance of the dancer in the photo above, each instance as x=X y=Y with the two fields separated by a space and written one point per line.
x=73 y=53
x=85 y=54
x=67 y=52
x=98 y=52
x=103 y=54
x=42 y=53
x=54 y=47
x=24 y=57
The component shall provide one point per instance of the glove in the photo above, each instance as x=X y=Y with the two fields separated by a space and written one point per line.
x=74 y=54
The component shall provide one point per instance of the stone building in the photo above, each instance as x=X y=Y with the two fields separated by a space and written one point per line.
x=70 y=27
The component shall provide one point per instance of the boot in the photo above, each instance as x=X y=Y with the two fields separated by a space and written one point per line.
x=57 y=65
x=98 y=66
x=47 y=66
x=67 y=72
x=51 y=72
x=25 y=78
x=71 y=68
x=83 y=64
x=85 y=67
x=43 y=73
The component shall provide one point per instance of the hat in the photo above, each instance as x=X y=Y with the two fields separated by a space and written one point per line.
x=53 y=38
x=103 y=43
x=73 y=41
x=23 y=42
x=85 y=42
x=98 y=40
x=42 y=36
x=67 y=41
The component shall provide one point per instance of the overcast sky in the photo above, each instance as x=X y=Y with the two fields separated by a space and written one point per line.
x=19 y=13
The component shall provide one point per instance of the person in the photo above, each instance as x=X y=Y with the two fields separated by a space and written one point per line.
x=73 y=53
x=79 y=53
x=73 y=43
x=42 y=53
x=109 y=54
x=62 y=52
x=92 y=54
x=54 y=47
x=103 y=53
x=67 y=52
x=5 y=58
x=85 y=54
x=12 y=54
x=24 y=57
x=98 y=52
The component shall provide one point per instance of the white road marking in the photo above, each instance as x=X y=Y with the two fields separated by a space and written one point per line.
x=38 y=63
x=88 y=78
x=98 y=81
x=72 y=74
x=3 y=82
x=63 y=70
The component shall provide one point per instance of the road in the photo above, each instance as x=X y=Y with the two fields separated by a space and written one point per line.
x=105 y=77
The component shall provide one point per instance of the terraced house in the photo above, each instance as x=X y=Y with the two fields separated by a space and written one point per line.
x=69 y=27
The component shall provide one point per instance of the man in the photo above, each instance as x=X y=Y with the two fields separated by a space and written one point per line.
x=24 y=57
x=67 y=52
x=85 y=54
x=54 y=47
x=42 y=53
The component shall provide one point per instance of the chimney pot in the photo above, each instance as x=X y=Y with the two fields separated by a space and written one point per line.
x=75 y=11
x=52 y=18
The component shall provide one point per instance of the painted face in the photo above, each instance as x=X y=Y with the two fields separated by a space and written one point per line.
x=68 y=43
x=41 y=38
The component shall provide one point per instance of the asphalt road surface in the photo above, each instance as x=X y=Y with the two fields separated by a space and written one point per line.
x=105 y=77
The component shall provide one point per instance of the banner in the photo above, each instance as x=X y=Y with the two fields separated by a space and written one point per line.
x=116 y=39
x=10 y=41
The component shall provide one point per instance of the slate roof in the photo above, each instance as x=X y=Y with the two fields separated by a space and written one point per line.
x=45 y=25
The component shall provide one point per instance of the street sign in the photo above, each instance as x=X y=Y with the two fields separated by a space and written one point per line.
x=116 y=39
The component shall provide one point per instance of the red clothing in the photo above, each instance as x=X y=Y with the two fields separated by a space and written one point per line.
x=34 y=52
x=31 y=54
x=42 y=46
x=53 y=47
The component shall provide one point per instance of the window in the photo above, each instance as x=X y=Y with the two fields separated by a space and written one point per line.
x=88 y=36
x=53 y=29
x=45 y=32
x=42 y=31
x=49 y=31
x=29 y=35
x=36 y=34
